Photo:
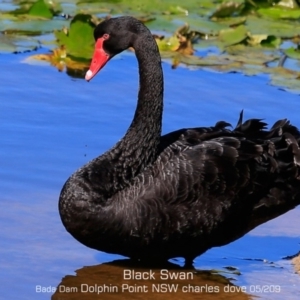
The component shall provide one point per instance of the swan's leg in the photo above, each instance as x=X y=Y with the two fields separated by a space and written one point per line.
x=189 y=262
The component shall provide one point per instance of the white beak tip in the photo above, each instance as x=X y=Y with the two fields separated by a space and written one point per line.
x=88 y=75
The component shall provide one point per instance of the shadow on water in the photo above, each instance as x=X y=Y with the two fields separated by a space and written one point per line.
x=122 y=279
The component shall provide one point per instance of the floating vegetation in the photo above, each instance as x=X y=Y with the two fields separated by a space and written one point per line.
x=252 y=36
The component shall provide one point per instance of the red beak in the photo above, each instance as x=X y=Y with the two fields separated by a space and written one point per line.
x=100 y=58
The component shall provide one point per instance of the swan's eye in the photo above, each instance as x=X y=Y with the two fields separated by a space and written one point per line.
x=105 y=36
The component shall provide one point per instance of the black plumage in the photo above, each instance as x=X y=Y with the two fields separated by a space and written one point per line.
x=177 y=195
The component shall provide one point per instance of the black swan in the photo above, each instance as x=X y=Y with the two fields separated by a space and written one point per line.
x=154 y=197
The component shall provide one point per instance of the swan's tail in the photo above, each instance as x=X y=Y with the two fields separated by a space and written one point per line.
x=281 y=156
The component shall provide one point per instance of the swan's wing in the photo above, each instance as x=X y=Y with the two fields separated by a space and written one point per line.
x=216 y=168
x=210 y=176
x=247 y=160
x=254 y=129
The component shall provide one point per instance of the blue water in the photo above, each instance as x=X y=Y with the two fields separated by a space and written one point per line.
x=52 y=124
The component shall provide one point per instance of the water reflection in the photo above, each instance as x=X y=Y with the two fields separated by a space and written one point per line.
x=122 y=279
x=52 y=124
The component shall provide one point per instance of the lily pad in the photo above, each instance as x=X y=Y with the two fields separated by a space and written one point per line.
x=168 y=44
x=282 y=29
x=263 y=39
x=285 y=78
x=254 y=58
x=163 y=23
x=233 y=36
x=40 y=9
x=31 y=27
x=279 y=13
x=181 y=41
x=11 y=43
x=234 y=21
x=228 y=8
x=78 y=40
x=293 y=53
x=256 y=39
x=178 y=10
x=230 y=35
x=205 y=26
x=271 y=41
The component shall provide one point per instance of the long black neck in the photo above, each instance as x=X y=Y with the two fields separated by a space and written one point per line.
x=139 y=147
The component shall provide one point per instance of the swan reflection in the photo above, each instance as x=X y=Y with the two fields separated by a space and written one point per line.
x=124 y=279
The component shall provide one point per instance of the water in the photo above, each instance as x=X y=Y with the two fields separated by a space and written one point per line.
x=52 y=124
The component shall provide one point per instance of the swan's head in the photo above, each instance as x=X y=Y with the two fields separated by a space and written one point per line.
x=112 y=36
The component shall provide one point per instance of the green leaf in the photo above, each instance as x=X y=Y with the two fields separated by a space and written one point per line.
x=228 y=8
x=263 y=39
x=168 y=44
x=292 y=53
x=271 y=41
x=32 y=27
x=282 y=29
x=233 y=36
x=205 y=26
x=78 y=41
x=256 y=39
x=232 y=21
x=176 y=10
x=40 y=9
x=279 y=13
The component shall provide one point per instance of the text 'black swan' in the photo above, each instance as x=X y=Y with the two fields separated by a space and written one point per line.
x=158 y=197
